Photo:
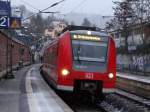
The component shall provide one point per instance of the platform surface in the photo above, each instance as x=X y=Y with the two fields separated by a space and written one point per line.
x=28 y=92
x=144 y=79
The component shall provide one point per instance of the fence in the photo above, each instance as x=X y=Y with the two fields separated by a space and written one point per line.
x=134 y=63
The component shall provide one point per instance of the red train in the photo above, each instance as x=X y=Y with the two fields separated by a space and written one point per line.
x=12 y=53
x=81 y=60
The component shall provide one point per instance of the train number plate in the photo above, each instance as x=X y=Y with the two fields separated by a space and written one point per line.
x=89 y=75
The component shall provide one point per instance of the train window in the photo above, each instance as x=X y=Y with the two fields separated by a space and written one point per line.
x=89 y=51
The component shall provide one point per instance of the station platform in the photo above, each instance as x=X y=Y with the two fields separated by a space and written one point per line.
x=144 y=79
x=28 y=92
x=136 y=84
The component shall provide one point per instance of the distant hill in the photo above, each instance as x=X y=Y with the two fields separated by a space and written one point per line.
x=77 y=19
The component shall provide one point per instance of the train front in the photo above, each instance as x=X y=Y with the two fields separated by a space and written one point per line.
x=93 y=64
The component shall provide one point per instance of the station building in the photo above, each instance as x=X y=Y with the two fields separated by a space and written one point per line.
x=55 y=30
x=138 y=57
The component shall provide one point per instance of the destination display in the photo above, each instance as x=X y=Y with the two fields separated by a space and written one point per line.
x=86 y=37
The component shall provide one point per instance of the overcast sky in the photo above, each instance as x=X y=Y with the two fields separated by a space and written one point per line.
x=102 y=7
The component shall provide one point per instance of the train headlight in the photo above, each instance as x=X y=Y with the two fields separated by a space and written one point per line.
x=65 y=72
x=111 y=75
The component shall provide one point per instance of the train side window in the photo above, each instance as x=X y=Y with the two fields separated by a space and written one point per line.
x=52 y=53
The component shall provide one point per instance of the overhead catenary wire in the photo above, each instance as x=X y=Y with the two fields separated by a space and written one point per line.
x=54 y=4
x=37 y=8
x=78 y=5
x=30 y=5
x=74 y=8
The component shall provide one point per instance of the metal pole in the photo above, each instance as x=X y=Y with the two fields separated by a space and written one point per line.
x=9 y=52
x=10 y=46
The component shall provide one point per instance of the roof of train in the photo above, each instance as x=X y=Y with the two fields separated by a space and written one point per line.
x=73 y=28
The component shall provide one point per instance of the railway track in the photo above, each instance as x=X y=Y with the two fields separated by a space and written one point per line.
x=123 y=104
x=137 y=99
x=119 y=102
x=123 y=101
x=83 y=105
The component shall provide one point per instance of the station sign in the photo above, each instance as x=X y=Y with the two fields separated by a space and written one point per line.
x=5 y=8
x=10 y=22
x=6 y=19
x=15 y=23
x=16 y=12
x=4 y=22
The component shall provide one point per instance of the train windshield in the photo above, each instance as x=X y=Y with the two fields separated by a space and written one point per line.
x=89 y=51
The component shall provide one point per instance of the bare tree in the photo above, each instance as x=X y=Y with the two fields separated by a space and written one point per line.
x=86 y=22
x=123 y=17
x=129 y=13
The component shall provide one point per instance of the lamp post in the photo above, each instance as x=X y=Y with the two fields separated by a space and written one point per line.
x=9 y=48
x=10 y=45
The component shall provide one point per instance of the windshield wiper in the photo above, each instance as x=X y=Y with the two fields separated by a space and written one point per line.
x=78 y=53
